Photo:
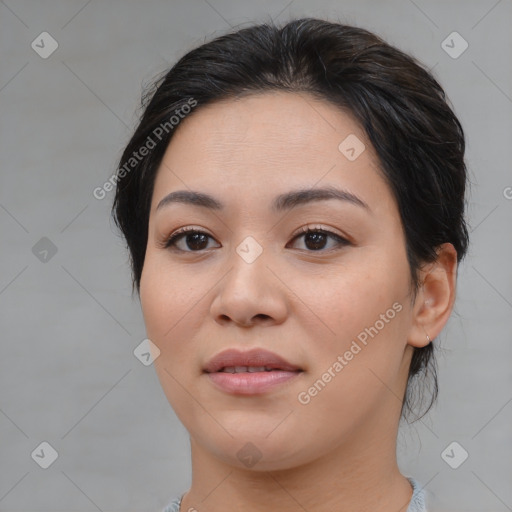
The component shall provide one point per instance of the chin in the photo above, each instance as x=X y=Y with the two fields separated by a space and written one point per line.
x=249 y=449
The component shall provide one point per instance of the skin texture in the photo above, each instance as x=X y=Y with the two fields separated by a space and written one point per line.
x=338 y=452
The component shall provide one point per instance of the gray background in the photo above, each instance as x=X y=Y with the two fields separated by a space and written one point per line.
x=69 y=324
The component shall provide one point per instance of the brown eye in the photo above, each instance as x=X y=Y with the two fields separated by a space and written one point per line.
x=317 y=239
x=190 y=240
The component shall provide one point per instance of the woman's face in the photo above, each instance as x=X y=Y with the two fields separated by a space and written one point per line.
x=334 y=304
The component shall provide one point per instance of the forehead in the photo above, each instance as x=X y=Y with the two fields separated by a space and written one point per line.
x=264 y=143
x=273 y=122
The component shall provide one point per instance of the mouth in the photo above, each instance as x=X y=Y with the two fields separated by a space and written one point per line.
x=249 y=373
x=251 y=361
x=247 y=369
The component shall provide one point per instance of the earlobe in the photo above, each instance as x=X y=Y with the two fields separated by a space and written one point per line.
x=435 y=298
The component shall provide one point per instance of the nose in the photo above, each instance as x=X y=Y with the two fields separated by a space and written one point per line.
x=250 y=293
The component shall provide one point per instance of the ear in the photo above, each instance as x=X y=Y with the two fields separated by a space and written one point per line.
x=435 y=297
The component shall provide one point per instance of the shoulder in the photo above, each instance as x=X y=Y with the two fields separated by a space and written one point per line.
x=418 y=500
x=173 y=506
x=417 y=503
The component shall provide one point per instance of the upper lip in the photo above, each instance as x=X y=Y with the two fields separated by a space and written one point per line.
x=254 y=357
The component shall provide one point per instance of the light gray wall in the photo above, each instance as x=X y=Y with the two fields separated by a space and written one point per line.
x=69 y=325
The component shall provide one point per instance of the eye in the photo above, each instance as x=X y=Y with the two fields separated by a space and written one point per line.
x=190 y=239
x=193 y=238
x=316 y=238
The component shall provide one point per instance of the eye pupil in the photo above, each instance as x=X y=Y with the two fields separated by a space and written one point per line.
x=318 y=240
x=197 y=238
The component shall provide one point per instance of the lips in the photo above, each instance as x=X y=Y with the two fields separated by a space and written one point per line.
x=253 y=372
x=256 y=360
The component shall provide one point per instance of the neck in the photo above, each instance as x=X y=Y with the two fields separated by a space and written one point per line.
x=361 y=474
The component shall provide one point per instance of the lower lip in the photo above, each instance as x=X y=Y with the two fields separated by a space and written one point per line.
x=246 y=383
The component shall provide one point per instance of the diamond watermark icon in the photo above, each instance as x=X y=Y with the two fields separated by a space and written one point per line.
x=44 y=250
x=249 y=455
x=351 y=147
x=44 y=45
x=454 y=455
x=249 y=250
x=45 y=455
x=146 y=352
x=454 y=45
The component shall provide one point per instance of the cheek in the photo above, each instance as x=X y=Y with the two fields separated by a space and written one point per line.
x=170 y=308
x=165 y=300
x=350 y=300
x=365 y=318
x=174 y=308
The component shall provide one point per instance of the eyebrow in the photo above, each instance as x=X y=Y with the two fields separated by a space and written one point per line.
x=283 y=202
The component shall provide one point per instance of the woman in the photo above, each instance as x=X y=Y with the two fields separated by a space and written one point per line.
x=293 y=204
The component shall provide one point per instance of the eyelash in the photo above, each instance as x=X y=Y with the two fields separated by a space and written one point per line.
x=170 y=242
